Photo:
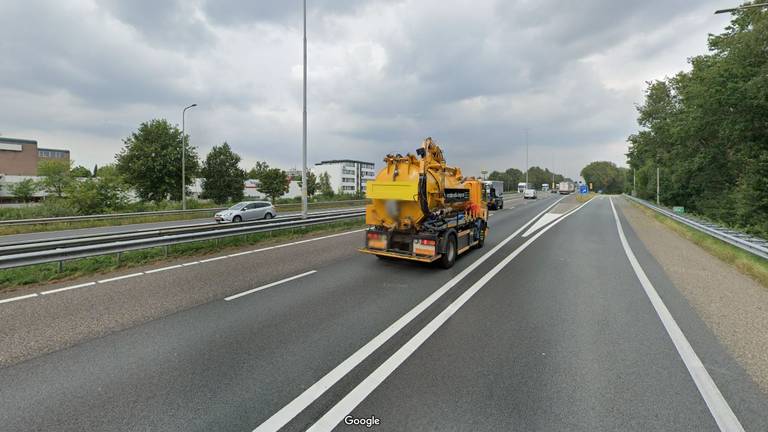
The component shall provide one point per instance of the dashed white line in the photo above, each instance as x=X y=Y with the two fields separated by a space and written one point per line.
x=82 y=285
x=293 y=408
x=121 y=277
x=164 y=269
x=13 y=299
x=718 y=406
x=270 y=285
x=331 y=418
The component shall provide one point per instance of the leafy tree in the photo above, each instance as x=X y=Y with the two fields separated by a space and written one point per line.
x=222 y=177
x=705 y=129
x=105 y=193
x=56 y=176
x=80 y=172
x=273 y=183
x=150 y=161
x=605 y=176
x=258 y=169
x=95 y=170
x=24 y=190
x=311 y=183
x=324 y=185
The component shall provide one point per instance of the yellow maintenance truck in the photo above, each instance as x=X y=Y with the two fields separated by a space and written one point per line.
x=423 y=210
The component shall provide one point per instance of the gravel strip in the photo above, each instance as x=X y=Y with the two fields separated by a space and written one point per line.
x=733 y=305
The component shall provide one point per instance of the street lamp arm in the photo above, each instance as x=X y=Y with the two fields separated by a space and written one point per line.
x=752 y=6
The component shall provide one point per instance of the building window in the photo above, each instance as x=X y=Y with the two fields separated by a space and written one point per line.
x=347 y=180
x=348 y=171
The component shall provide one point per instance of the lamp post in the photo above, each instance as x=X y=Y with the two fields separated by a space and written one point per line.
x=526 y=158
x=304 y=206
x=184 y=157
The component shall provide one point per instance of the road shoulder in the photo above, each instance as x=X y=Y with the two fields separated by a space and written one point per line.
x=730 y=303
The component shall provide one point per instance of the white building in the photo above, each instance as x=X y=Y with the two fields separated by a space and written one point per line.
x=345 y=175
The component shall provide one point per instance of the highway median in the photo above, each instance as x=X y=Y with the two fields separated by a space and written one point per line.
x=13 y=278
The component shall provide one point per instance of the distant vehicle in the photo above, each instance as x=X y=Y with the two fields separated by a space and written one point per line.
x=529 y=193
x=246 y=211
x=544 y=187
x=521 y=187
x=566 y=188
x=494 y=194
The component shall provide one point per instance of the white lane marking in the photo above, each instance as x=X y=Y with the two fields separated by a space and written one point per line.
x=546 y=219
x=270 y=285
x=718 y=406
x=308 y=396
x=82 y=285
x=190 y=263
x=331 y=418
x=214 y=258
x=13 y=299
x=121 y=277
x=240 y=253
x=164 y=269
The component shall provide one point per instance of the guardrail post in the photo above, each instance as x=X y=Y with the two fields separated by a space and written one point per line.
x=165 y=251
x=61 y=266
x=119 y=256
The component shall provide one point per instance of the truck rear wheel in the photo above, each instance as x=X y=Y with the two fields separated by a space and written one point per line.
x=449 y=256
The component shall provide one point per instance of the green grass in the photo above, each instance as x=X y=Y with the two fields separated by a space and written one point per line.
x=10 y=279
x=749 y=264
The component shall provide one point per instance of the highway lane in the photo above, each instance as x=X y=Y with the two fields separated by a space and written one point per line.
x=116 y=229
x=237 y=362
x=560 y=339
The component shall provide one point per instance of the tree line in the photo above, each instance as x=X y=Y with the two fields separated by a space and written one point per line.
x=149 y=165
x=706 y=130
x=536 y=176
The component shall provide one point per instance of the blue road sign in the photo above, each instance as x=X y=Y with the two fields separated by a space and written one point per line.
x=583 y=189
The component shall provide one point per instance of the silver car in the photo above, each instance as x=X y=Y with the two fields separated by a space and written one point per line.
x=247 y=211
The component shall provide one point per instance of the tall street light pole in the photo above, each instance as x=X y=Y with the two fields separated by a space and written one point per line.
x=183 y=158
x=304 y=206
x=526 y=158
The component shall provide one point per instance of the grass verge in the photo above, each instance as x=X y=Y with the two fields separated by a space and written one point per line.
x=749 y=264
x=10 y=279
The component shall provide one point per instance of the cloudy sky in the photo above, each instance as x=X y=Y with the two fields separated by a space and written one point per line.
x=82 y=75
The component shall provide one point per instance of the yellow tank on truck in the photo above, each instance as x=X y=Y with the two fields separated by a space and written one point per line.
x=418 y=200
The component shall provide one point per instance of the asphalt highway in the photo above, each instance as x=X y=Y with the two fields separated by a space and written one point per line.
x=551 y=326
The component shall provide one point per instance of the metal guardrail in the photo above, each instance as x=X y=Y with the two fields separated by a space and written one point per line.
x=64 y=219
x=87 y=239
x=753 y=245
x=84 y=251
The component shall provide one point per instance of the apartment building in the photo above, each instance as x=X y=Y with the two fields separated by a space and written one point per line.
x=346 y=175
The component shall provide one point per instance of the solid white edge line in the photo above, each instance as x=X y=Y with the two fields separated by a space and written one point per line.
x=121 y=277
x=214 y=259
x=298 y=404
x=13 y=299
x=190 y=263
x=164 y=269
x=331 y=418
x=270 y=285
x=724 y=417
x=82 y=285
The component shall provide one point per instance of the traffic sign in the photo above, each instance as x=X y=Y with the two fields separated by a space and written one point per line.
x=583 y=189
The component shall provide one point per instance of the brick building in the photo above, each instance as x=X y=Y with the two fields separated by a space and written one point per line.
x=19 y=157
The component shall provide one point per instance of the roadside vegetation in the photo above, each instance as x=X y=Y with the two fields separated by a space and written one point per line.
x=706 y=131
x=146 y=177
x=536 y=176
x=747 y=263
x=48 y=273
